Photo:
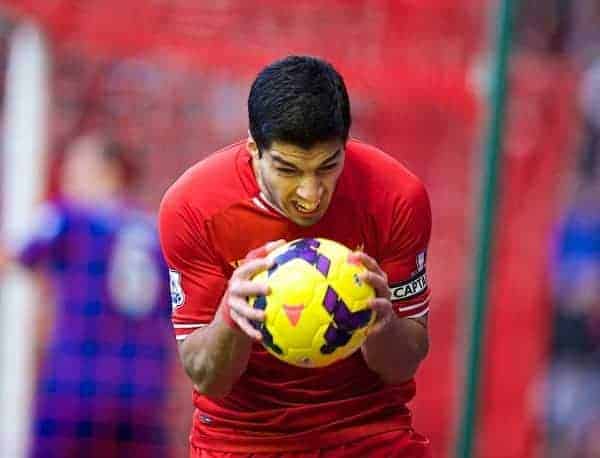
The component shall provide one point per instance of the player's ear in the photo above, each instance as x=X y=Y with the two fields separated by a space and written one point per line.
x=252 y=147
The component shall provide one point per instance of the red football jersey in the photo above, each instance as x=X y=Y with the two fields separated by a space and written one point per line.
x=209 y=220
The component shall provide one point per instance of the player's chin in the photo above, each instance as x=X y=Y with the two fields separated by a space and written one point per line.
x=306 y=221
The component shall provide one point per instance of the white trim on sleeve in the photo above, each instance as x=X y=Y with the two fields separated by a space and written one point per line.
x=189 y=326
x=419 y=315
x=414 y=306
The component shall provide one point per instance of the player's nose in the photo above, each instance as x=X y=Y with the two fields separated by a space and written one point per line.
x=310 y=190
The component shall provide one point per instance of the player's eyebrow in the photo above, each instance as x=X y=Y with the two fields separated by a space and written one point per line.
x=282 y=161
x=332 y=158
x=278 y=159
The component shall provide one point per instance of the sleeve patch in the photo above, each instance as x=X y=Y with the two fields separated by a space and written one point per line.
x=407 y=289
x=177 y=294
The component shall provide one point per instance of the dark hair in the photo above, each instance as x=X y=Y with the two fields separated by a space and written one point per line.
x=300 y=100
x=124 y=158
x=115 y=153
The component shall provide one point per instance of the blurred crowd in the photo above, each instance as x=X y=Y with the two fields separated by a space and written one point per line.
x=570 y=401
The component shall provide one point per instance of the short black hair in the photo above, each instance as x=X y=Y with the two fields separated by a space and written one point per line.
x=300 y=100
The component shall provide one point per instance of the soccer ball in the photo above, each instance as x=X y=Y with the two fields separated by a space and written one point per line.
x=317 y=312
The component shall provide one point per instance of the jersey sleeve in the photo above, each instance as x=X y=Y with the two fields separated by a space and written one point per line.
x=197 y=281
x=405 y=257
x=37 y=247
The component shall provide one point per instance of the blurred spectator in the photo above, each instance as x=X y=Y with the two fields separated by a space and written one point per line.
x=545 y=30
x=104 y=380
x=573 y=396
x=584 y=33
x=589 y=100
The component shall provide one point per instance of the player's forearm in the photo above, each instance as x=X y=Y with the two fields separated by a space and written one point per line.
x=215 y=357
x=397 y=350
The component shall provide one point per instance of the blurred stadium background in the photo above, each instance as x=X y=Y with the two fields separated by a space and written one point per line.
x=170 y=78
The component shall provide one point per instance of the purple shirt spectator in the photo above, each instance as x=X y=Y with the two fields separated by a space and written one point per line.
x=105 y=375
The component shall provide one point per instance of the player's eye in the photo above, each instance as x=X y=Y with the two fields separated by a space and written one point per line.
x=287 y=171
x=328 y=167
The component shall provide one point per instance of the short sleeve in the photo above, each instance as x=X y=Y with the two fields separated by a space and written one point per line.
x=46 y=230
x=197 y=281
x=405 y=256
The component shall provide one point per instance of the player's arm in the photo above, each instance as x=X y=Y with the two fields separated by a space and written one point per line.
x=409 y=339
x=41 y=242
x=399 y=341
x=215 y=356
x=395 y=346
x=210 y=314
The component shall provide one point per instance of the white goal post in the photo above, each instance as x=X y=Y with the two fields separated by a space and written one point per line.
x=24 y=142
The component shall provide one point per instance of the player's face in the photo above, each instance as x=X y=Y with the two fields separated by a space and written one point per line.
x=299 y=182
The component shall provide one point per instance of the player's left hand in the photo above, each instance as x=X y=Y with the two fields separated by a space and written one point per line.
x=377 y=278
x=4 y=259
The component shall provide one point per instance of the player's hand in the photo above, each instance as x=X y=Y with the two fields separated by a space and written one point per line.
x=241 y=287
x=377 y=278
x=4 y=260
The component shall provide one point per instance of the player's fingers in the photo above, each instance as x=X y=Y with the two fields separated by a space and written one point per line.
x=378 y=283
x=271 y=246
x=264 y=250
x=367 y=261
x=252 y=267
x=382 y=308
x=245 y=325
x=242 y=308
x=245 y=288
x=383 y=314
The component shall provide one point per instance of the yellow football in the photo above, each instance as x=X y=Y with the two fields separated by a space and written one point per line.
x=317 y=312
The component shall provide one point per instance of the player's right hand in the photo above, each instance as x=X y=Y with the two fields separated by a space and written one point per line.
x=241 y=287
